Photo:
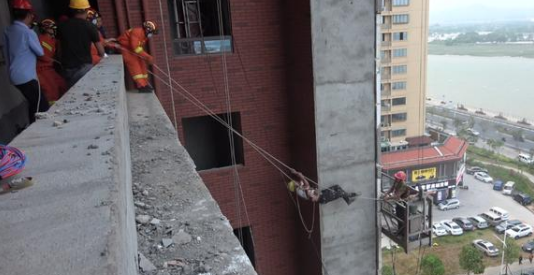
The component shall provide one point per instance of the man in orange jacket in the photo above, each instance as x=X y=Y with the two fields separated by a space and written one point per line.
x=52 y=84
x=134 y=55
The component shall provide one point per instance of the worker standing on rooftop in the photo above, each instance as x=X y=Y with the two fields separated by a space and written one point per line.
x=134 y=54
x=21 y=51
x=94 y=18
x=76 y=36
x=52 y=84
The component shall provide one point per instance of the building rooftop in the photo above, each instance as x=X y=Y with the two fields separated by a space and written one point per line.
x=452 y=149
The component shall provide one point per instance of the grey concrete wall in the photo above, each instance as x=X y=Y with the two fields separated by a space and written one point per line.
x=343 y=42
x=167 y=188
x=78 y=217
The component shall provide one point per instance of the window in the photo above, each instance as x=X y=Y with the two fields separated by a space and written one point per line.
x=208 y=142
x=385 y=37
x=383 y=54
x=398 y=117
x=400 y=36
x=400 y=52
x=400 y=69
x=399 y=85
x=397 y=3
x=398 y=101
x=195 y=26
x=401 y=18
x=398 y=133
x=244 y=235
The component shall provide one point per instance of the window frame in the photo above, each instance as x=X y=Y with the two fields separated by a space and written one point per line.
x=399 y=19
x=400 y=36
x=404 y=86
x=396 y=69
x=394 y=3
x=401 y=50
x=404 y=114
x=393 y=133
x=200 y=44
x=398 y=104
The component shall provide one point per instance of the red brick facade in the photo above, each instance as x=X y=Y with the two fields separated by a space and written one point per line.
x=270 y=79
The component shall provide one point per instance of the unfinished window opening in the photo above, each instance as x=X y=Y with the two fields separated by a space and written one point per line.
x=244 y=235
x=196 y=26
x=208 y=142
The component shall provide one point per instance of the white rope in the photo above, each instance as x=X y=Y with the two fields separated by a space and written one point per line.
x=168 y=65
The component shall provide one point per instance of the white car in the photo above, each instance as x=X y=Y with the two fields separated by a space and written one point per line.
x=486 y=247
x=452 y=228
x=483 y=177
x=473 y=132
x=439 y=230
x=519 y=231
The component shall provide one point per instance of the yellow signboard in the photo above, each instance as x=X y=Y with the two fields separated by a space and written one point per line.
x=424 y=174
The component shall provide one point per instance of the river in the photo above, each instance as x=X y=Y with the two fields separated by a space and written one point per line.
x=499 y=84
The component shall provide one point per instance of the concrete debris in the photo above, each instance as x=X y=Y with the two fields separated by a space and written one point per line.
x=140 y=204
x=57 y=123
x=42 y=116
x=155 y=221
x=145 y=192
x=92 y=146
x=182 y=238
x=145 y=265
x=143 y=219
x=177 y=262
x=167 y=242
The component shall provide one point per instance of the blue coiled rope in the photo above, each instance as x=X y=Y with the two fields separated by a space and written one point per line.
x=12 y=161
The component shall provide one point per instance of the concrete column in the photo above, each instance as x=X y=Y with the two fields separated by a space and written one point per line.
x=344 y=49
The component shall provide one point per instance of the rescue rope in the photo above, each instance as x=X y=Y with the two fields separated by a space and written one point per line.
x=12 y=161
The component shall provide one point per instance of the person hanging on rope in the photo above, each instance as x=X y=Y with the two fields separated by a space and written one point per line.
x=302 y=188
x=135 y=57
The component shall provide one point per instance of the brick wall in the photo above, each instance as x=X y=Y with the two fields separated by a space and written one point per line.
x=259 y=69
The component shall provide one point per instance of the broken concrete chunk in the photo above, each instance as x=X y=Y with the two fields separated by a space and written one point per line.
x=139 y=204
x=145 y=193
x=145 y=265
x=143 y=219
x=155 y=221
x=42 y=115
x=181 y=238
x=92 y=146
x=166 y=242
x=178 y=262
x=57 y=123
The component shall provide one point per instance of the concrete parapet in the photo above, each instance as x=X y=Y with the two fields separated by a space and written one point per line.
x=181 y=228
x=78 y=217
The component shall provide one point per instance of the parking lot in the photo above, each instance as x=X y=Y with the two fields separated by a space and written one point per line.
x=479 y=198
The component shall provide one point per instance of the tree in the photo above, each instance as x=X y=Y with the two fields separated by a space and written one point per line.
x=458 y=123
x=444 y=122
x=511 y=252
x=491 y=143
x=432 y=265
x=387 y=270
x=471 y=260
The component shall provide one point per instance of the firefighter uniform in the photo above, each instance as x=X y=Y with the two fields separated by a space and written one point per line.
x=133 y=41
x=53 y=85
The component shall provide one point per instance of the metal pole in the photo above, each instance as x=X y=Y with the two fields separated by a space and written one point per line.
x=503 y=248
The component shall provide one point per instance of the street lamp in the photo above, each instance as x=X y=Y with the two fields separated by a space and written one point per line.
x=503 y=271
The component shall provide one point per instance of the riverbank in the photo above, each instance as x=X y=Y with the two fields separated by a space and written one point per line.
x=486 y=50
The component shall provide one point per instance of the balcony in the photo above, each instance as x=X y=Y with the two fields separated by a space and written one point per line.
x=385 y=125
x=386 y=26
x=79 y=217
x=385 y=60
x=385 y=76
x=385 y=43
x=386 y=92
x=385 y=107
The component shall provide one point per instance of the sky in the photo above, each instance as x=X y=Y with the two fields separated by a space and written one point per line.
x=480 y=10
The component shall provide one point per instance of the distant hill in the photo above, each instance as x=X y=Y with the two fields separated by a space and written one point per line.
x=479 y=14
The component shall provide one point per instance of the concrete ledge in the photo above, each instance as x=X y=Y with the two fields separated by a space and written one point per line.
x=167 y=188
x=78 y=218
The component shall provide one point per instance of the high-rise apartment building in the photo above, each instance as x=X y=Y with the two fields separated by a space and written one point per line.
x=403 y=52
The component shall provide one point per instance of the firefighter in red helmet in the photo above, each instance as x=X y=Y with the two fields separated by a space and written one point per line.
x=52 y=84
x=399 y=189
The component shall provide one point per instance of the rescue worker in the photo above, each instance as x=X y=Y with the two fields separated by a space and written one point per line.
x=92 y=17
x=22 y=49
x=52 y=84
x=76 y=36
x=399 y=192
x=135 y=57
x=302 y=188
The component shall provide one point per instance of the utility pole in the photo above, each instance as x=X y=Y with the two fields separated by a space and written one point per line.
x=504 y=268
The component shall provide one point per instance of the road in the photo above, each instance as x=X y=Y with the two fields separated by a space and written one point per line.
x=487 y=128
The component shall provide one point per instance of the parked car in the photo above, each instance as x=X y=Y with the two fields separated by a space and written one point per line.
x=482 y=176
x=525 y=158
x=503 y=226
x=449 y=204
x=500 y=212
x=528 y=246
x=464 y=223
x=492 y=218
x=473 y=132
x=452 y=228
x=519 y=231
x=508 y=188
x=498 y=185
x=475 y=169
x=522 y=198
x=479 y=222
x=439 y=230
x=486 y=247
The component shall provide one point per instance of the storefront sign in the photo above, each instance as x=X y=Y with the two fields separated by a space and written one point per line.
x=423 y=174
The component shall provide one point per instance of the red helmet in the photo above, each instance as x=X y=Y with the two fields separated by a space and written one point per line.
x=22 y=5
x=400 y=176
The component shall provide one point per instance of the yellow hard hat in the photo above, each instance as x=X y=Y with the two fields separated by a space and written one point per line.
x=292 y=186
x=79 y=4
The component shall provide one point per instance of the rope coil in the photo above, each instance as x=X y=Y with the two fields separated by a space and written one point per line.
x=12 y=161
